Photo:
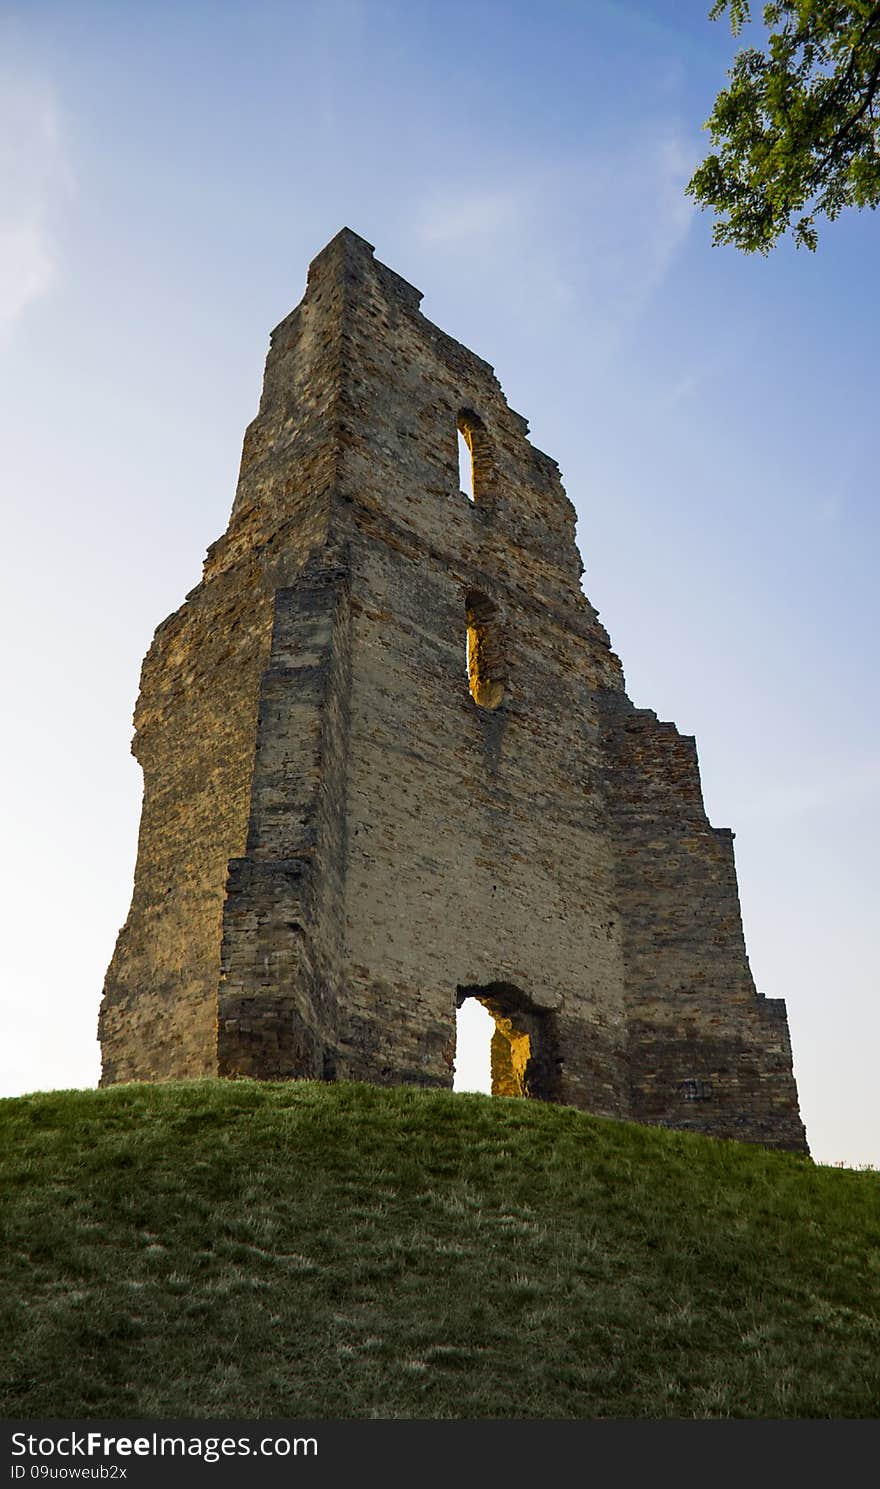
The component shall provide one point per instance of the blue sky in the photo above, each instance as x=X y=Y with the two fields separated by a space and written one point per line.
x=167 y=171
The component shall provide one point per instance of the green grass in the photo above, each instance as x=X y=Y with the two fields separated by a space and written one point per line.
x=236 y=1249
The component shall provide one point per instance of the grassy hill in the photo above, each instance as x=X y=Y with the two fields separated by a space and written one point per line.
x=328 y=1251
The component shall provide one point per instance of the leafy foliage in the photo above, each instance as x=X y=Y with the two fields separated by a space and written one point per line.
x=798 y=129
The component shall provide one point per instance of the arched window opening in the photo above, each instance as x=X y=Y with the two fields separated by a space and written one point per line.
x=474 y=456
x=486 y=668
x=503 y=1045
x=465 y=465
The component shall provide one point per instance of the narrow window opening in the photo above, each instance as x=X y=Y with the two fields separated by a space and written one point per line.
x=465 y=464
x=475 y=458
x=486 y=669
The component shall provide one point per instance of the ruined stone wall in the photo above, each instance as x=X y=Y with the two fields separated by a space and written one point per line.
x=478 y=850
x=390 y=764
x=197 y=713
x=195 y=722
x=283 y=923
x=704 y=1050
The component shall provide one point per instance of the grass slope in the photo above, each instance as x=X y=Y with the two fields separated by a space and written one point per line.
x=328 y=1251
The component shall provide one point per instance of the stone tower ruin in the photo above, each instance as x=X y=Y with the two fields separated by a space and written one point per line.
x=389 y=764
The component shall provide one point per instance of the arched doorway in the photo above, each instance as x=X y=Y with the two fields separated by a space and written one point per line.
x=524 y=1054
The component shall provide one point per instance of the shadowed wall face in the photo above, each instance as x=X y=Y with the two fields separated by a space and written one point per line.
x=395 y=767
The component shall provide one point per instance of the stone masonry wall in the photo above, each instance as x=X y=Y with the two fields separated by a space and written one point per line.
x=389 y=765
x=196 y=717
x=479 y=852
x=282 y=947
x=705 y=1051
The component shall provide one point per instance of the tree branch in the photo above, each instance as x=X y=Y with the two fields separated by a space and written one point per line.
x=871 y=89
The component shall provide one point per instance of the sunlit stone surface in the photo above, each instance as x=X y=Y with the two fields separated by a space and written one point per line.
x=347 y=833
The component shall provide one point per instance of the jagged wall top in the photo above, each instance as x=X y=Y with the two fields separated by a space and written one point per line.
x=357 y=376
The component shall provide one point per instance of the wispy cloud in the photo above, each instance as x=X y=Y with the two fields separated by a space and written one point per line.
x=34 y=175
x=596 y=234
x=467 y=216
x=633 y=219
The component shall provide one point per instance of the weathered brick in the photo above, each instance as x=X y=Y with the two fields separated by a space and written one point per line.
x=389 y=763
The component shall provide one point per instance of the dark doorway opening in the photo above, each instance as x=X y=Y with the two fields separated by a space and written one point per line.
x=524 y=1054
